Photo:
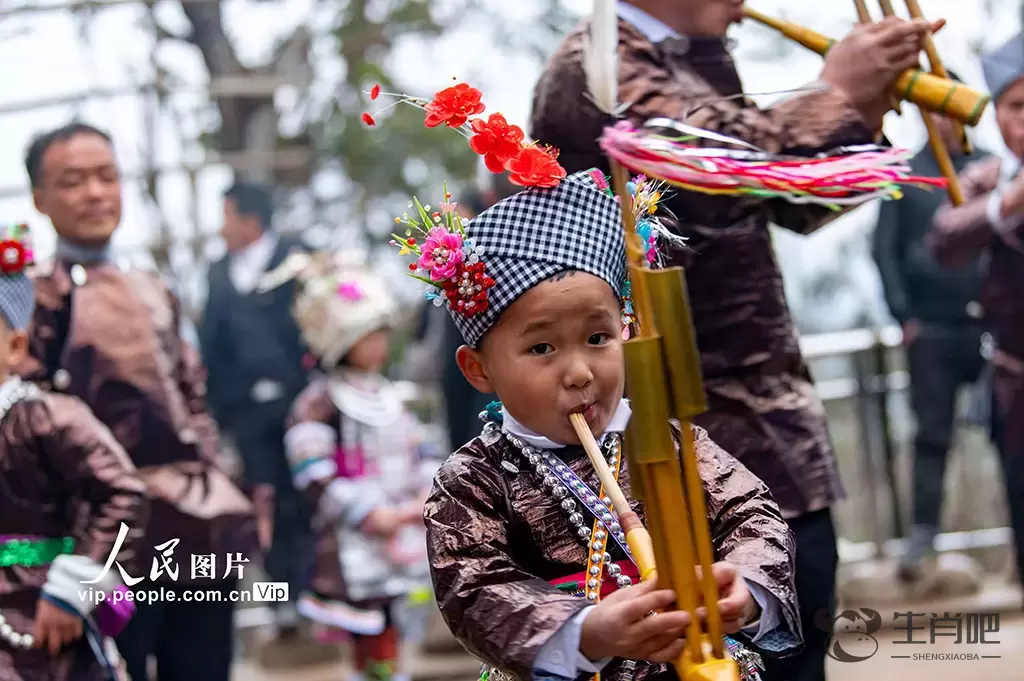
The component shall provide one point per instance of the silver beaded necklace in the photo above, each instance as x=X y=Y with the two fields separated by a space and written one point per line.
x=560 y=481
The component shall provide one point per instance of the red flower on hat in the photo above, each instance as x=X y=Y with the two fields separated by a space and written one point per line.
x=534 y=167
x=467 y=290
x=495 y=140
x=503 y=146
x=453 y=106
x=12 y=257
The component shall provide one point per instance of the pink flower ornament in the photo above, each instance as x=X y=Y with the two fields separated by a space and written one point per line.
x=350 y=290
x=441 y=254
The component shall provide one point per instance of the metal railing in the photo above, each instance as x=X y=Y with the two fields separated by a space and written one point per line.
x=873 y=382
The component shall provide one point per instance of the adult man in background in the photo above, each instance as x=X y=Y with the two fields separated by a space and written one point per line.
x=674 y=63
x=254 y=359
x=939 y=312
x=110 y=335
x=990 y=223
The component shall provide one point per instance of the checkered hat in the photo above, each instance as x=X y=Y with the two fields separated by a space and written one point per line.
x=535 y=234
x=17 y=292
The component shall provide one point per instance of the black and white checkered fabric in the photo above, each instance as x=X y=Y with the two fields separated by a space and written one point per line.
x=535 y=234
x=17 y=300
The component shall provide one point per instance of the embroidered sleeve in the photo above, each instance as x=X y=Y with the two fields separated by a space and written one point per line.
x=961 y=233
x=84 y=453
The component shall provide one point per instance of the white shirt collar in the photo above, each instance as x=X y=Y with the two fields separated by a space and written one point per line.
x=257 y=248
x=618 y=423
x=246 y=266
x=653 y=29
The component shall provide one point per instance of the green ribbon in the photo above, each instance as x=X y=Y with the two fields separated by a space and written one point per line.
x=33 y=552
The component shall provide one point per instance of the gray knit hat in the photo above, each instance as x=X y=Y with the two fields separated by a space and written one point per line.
x=17 y=292
x=1004 y=65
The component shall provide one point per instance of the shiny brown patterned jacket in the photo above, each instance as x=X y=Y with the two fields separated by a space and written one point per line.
x=960 y=235
x=61 y=475
x=497 y=537
x=114 y=338
x=763 y=408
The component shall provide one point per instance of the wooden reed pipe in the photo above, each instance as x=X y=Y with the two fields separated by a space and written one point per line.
x=939 y=69
x=637 y=537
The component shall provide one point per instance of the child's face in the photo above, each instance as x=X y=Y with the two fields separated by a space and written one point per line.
x=371 y=352
x=13 y=346
x=557 y=350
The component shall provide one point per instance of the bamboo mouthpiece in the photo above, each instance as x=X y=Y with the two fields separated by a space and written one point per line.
x=637 y=537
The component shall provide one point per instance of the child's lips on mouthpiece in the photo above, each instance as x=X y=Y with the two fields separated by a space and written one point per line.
x=588 y=410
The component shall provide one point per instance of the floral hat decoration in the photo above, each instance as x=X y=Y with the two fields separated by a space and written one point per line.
x=17 y=294
x=478 y=268
x=503 y=146
x=337 y=303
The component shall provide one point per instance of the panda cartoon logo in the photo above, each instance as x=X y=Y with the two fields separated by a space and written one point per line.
x=851 y=634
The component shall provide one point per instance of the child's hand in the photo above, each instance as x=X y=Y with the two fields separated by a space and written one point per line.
x=55 y=627
x=619 y=626
x=735 y=602
x=383 y=521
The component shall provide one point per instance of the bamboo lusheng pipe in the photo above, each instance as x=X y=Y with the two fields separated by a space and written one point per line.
x=935 y=142
x=926 y=90
x=939 y=69
x=938 y=146
x=657 y=478
x=656 y=474
x=864 y=17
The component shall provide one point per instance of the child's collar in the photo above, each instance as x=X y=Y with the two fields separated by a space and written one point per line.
x=620 y=419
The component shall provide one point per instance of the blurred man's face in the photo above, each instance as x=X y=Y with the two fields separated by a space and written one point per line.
x=80 y=189
x=1010 y=117
x=238 y=230
x=708 y=18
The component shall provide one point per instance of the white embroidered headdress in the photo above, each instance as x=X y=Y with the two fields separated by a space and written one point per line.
x=337 y=304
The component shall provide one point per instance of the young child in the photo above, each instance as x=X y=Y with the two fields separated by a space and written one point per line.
x=69 y=496
x=528 y=564
x=358 y=454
